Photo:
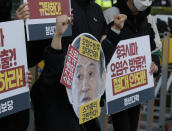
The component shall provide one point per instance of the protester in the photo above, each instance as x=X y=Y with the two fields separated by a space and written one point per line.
x=18 y=121
x=138 y=23
x=51 y=104
x=52 y=108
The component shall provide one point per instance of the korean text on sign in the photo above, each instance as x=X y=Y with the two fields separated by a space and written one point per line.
x=89 y=111
x=90 y=48
x=70 y=65
x=6 y=106
x=125 y=66
x=12 y=79
x=50 y=30
x=130 y=81
x=7 y=58
x=130 y=49
x=50 y=8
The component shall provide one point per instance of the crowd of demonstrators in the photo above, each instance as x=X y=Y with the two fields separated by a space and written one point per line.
x=18 y=121
x=52 y=109
x=139 y=23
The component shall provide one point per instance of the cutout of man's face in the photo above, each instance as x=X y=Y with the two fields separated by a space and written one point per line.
x=87 y=82
x=89 y=79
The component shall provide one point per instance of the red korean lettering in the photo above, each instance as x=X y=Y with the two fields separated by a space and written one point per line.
x=12 y=56
x=1 y=38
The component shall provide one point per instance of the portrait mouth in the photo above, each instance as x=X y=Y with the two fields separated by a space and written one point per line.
x=86 y=100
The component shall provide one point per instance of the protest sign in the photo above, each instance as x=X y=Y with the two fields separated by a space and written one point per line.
x=14 y=91
x=128 y=81
x=89 y=111
x=86 y=85
x=42 y=21
x=70 y=65
x=90 y=48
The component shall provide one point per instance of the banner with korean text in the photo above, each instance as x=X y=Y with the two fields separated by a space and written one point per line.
x=128 y=81
x=43 y=13
x=14 y=91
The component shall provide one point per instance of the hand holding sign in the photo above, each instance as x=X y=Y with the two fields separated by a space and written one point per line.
x=23 y=13
x=119 y=21
x=153 y=68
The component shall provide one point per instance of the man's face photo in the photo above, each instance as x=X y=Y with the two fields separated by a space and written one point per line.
x=88 y=82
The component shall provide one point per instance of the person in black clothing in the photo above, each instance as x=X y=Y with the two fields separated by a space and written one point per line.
x=52 y=109
x=137 y=24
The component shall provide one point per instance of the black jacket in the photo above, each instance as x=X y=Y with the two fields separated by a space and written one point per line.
x=88 y=19
x=51 y=106
x=5 y=10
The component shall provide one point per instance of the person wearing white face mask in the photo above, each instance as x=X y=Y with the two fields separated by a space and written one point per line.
x=139 y=23
x=142 y=5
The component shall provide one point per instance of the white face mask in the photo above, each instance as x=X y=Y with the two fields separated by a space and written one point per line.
x=142 y=5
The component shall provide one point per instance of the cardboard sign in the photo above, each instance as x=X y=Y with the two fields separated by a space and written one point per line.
x=43 y=13
x=89 y=111
x=14 y=91
x=86 y=81
x=70 y=65
x=128 y=81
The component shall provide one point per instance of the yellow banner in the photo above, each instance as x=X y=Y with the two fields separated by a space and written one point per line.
x=90 y=48
x=12 y=79
x=89 y=111
x=129 y=81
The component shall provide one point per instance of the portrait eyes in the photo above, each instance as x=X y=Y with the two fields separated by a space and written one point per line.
x=79 y=76
x=91 y=74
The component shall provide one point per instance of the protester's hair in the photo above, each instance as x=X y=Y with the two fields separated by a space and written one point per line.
x=76 y=44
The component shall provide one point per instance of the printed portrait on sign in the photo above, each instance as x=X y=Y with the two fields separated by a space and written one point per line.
x=89 y=76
